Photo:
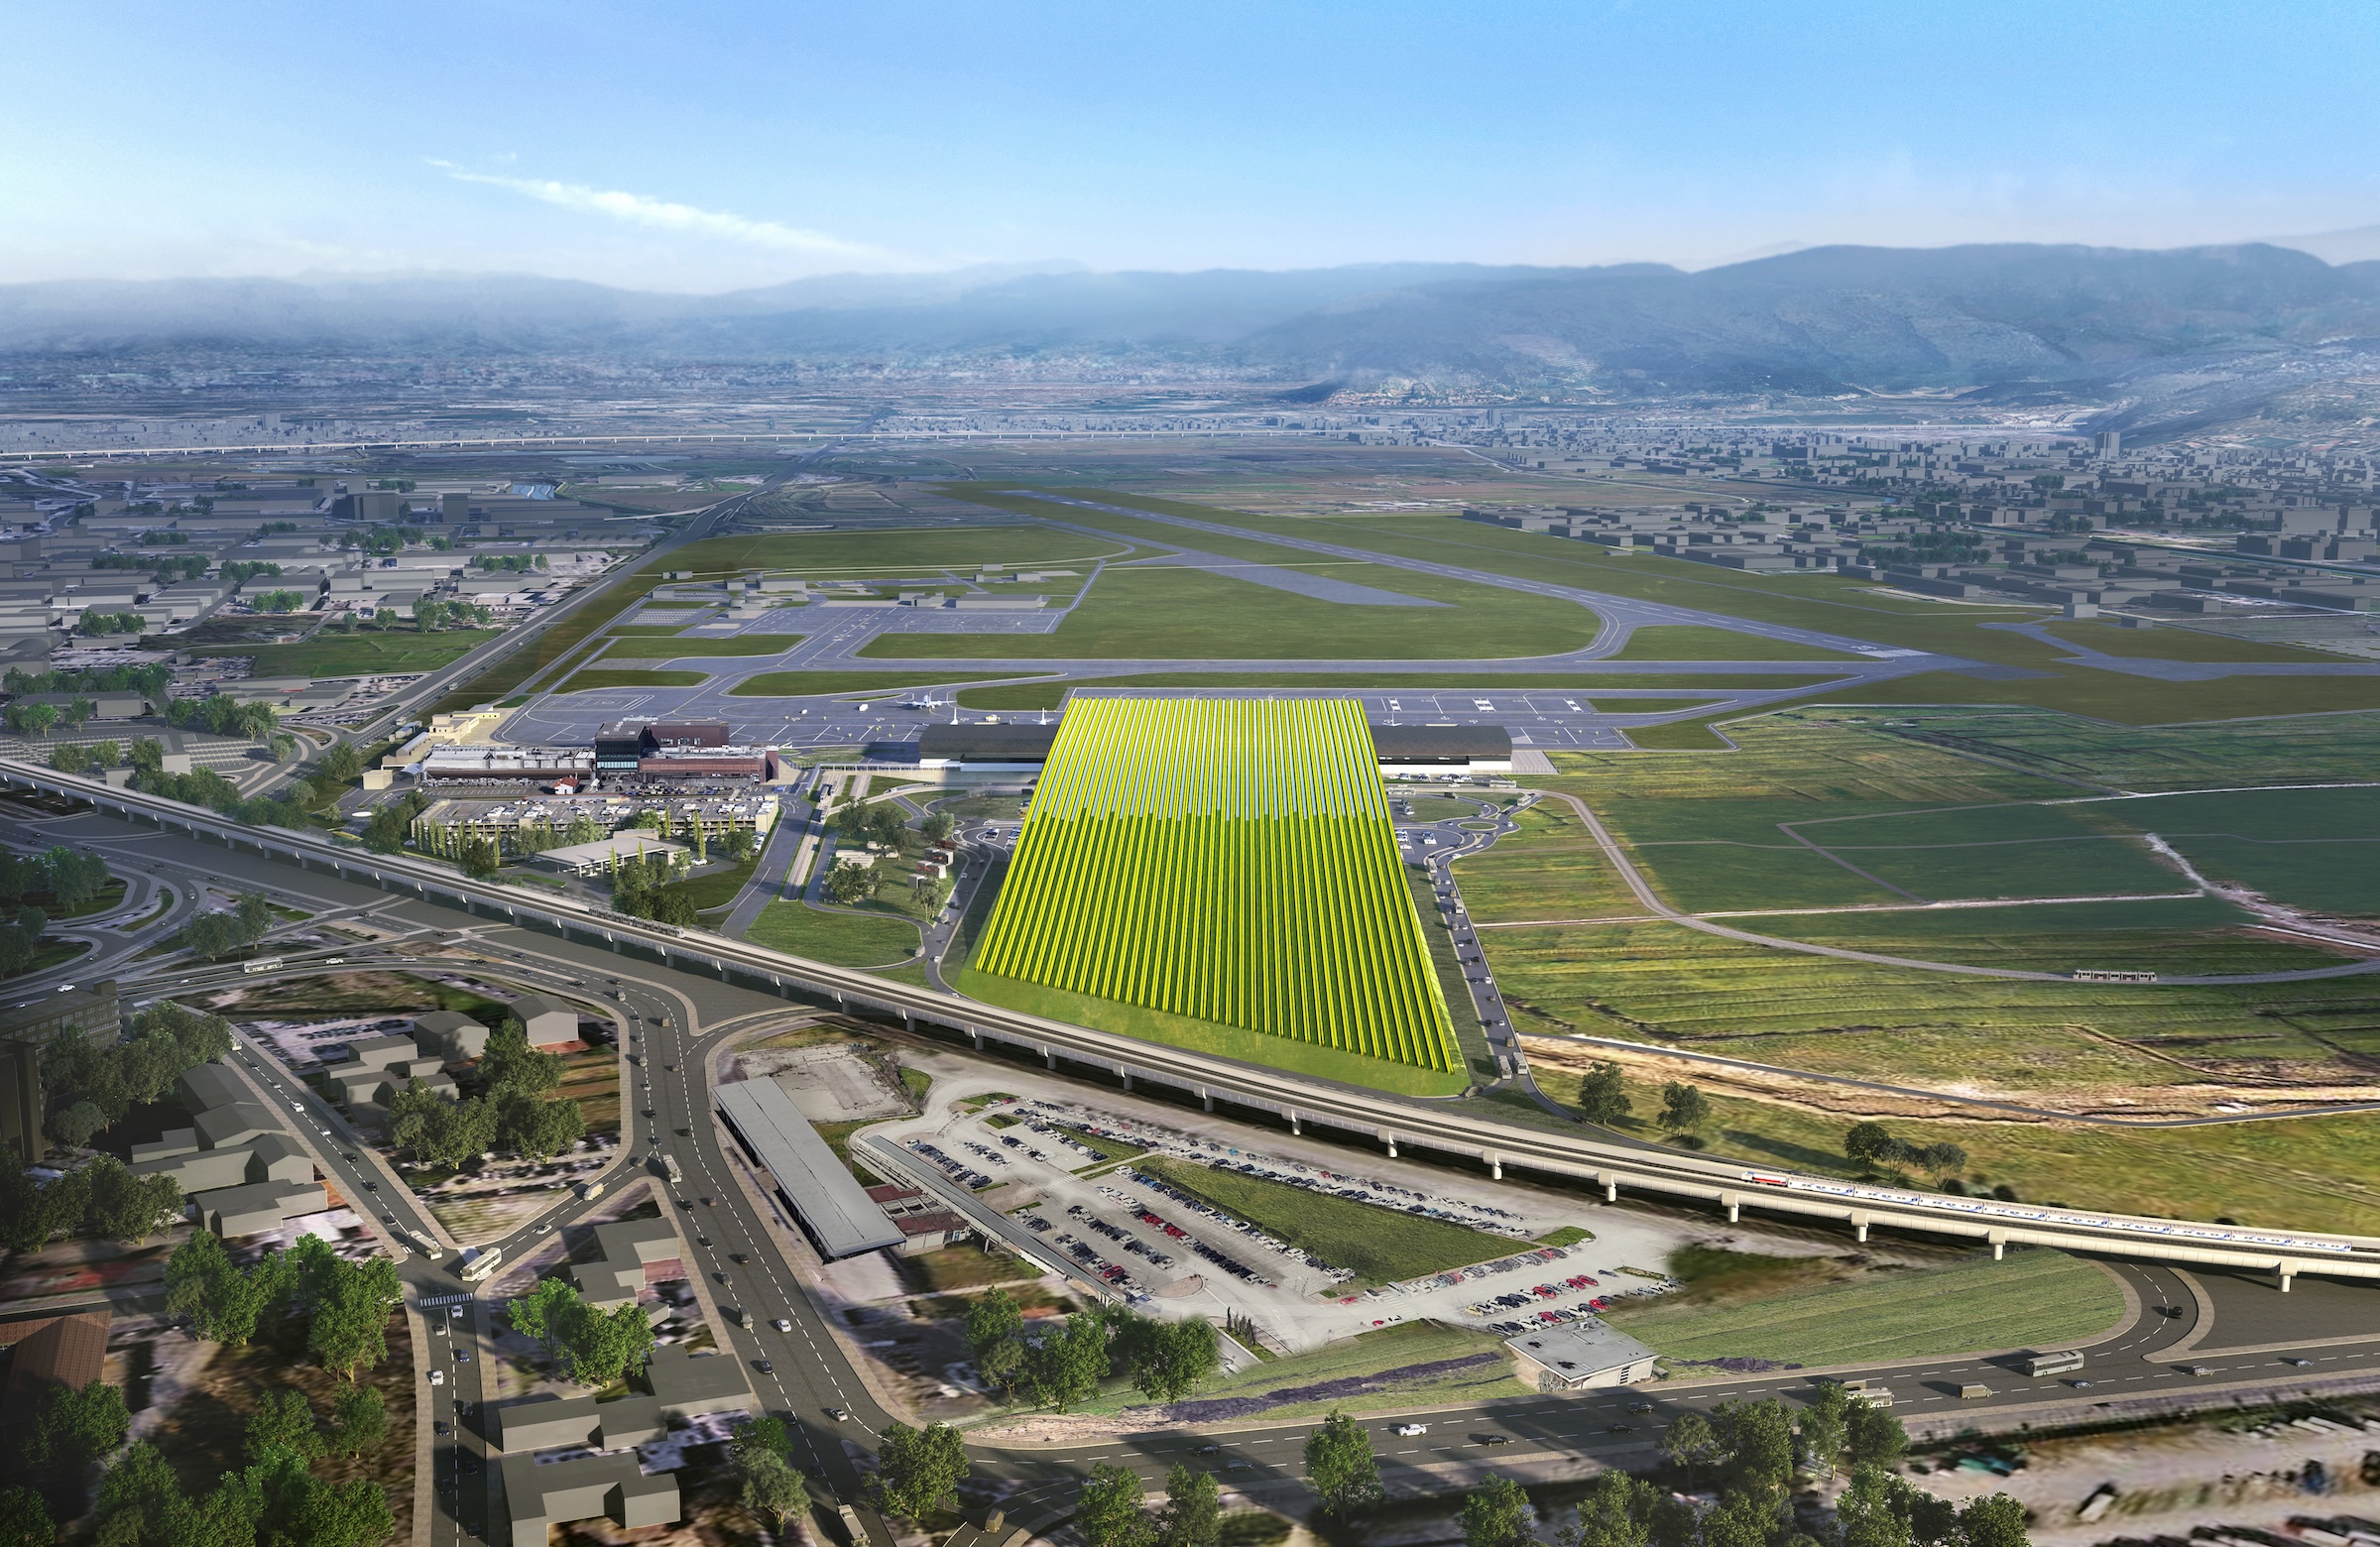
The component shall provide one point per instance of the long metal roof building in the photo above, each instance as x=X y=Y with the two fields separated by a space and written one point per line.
x=836 y=1210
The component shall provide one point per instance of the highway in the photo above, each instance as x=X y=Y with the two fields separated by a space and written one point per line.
x=1449 y=1127
x=2234 y=1325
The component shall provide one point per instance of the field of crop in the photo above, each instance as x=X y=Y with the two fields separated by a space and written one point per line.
x=1380 y=1246
x=2032 y=1299
x=596 y=682
x=1230 y=860
x=2098 y=756
x=645 y=648
x=1194 y=614
x=1550 y=869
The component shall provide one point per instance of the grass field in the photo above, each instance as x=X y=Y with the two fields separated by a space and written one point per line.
x=1050 y=694
x=1228 y=861
x=1695 y=642
x=793 y=684
x=1380 y=1360
x=716 y=890
x=865 y=554
x=2306 y=1174
x=1550 y=869
x=647 y=630
x=1380 y=1246
x=2180 y=645
x=678 y=646
x=1665 y=982
x=1161 y=613
x=1833 y=603
x=336 y=655
x=840 y=939
x=2033 y=1299
x=596 y=681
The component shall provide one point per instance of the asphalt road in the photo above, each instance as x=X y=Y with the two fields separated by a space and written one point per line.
x=2240 y=1329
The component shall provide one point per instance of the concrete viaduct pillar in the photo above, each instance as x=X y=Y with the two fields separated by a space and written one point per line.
x=1496 y=1168
x=1734 y=1205
x=1390 y=1139
x=1999 y=1244
x=1859 y=1224
x=1205 y=1099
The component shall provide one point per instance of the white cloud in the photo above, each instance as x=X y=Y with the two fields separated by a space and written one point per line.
x=664 y=215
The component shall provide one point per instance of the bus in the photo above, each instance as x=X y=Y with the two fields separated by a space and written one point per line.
x=478 y=1263
x=2052 y=1364
x=263 y=964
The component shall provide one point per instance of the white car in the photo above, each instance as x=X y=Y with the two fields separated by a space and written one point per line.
x=1408 y=1430
x=437 y=1377
x=781 y=1325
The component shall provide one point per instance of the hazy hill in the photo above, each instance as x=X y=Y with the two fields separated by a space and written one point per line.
x=1812 y=320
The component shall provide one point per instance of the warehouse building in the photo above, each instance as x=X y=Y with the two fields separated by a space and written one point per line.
x=835 y=1211
x=1579 y=1355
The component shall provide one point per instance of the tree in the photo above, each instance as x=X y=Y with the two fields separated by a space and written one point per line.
x=385 y=832
x=1997 y=1521
x=1108 y=1511
x=772 y=1489
x=1617 y=1512
x=916 y=1470
x=1603 y=1095
x=938 y=826
x=352 y=1301
x=1497 y=1513
x=103 y=755
x=74 y=877
x=1689 y=1442
x=72 y=1428
x=1870 y=1143
x=539 y=1313
x=1193 y=1512
x=139 y=1499
x=1684 y=1107
x=212 y=936
x=481 y=858
x=70 y=758
x=540 y=1130
x=283 y=1420
x=204 y=1285
x=359 y=1420
x=1757 y=1438
x=850 y=884
x=599 y=1347
x=129 y=1208
x=1944 y=1159
x=996 y=1337
x=1170 y=1359
x=148 y=756
x=1872 y=1434
x=1067 y=1365
x=510 y=1063
x=1340 y=1464
x=1823 y=1427
x=24 y=1520
x=76 y=1126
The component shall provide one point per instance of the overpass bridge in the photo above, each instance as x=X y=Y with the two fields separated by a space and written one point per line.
x=1443 y=1128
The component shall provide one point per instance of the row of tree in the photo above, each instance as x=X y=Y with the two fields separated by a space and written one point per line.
x=70 y=877
x=431 y=615
x=275 y=1498
x=641 y=889
x=336 y=1309
x=512 y=1110
x=98 y=621
x=1604 y=1100
x=213 y=935
x=220 y=714
x=1064 y=1364
x=1873 y=1144
x=102 y=1198
x=583 y=1344
x=92 y=1078
x=148 y=681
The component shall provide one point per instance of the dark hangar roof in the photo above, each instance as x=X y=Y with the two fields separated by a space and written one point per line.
x=1031 y=743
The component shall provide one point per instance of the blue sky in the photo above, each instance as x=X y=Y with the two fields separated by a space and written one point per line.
x=712 y=146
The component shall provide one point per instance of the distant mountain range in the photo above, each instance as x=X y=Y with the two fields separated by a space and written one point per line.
x=1819 y=320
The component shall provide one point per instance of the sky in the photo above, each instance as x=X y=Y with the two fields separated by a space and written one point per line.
x=704 y=146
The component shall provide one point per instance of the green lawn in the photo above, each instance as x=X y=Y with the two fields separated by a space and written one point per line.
x=678 y=646
x=332 y=653
x=1550 y=869
x=1393 y=1363
x=1206 y=1036
x=794 y=685
x=647 y=630
x=1698 y=877
x=2037 y=1299
x=1050 y=694
x=823 y=555
x=1381 y=1246
x=593 y=681
x=1191 y=613
x=2180 y=645
x=716 y=890
x=1696 y=642
x=840 y=939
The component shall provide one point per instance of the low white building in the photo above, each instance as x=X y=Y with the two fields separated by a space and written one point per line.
x=1580 y=1354
x=594 y=858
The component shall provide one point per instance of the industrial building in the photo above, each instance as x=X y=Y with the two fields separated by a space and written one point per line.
x=1401 y=748
x=835 y=1211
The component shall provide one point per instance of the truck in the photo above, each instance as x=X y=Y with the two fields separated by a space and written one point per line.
x=479 y=1262
x=670 y=1168
x=851 y=1524
x=1971 y=1389
x=2052 y=1364
x=1871 y=1391
x=589 y=1191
